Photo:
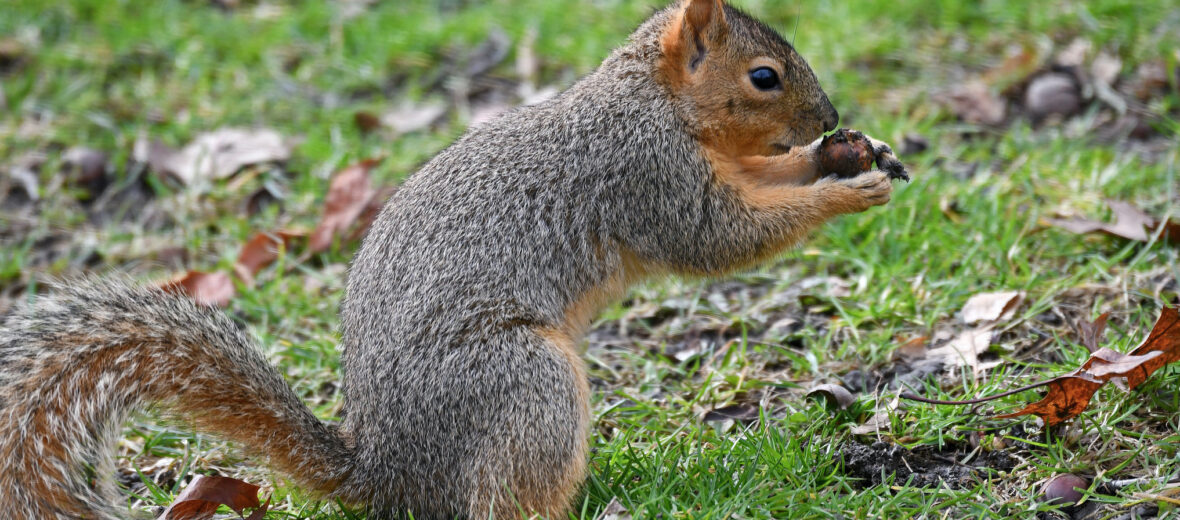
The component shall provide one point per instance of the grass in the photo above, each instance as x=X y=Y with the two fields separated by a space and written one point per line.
x=100 y=74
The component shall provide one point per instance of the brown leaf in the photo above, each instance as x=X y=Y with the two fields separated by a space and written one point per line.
x=349 y=195
x=733 y=412
x=366 y=122
x=913 y=348
x=213 y=155
x=1164 y=337
x=991 y=306
x=836 y=396
x=215 y=289
x=1090 y=333
x=260 y=251
x=1068 y=396
x=1130 y=223
x=975 y=103
x=200 y=500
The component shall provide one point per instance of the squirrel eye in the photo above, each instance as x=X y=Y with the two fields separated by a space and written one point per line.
x=764 y=78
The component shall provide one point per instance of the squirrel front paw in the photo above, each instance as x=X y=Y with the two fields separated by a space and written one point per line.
x=856 y=194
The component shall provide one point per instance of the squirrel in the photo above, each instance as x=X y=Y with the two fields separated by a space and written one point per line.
x=691 y=150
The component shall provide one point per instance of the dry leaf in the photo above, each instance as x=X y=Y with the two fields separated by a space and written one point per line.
x=1067 y=397
x=733 y=412
x=991 y=306
x=836 y=396
x=614 y=511
x=878 y=421
x=1069 y=394
x=1164 y=337
x=366 y=122
x=349 y=195
x=411 y=118
x=215 y=289
x=213 y=155
x=200 y=500
x=1130 y=223
x=913 y=348
x=964 y=349
x=1090 y=333
x=260 y=251
x=975 y=103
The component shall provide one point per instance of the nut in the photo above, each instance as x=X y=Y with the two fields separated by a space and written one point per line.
x=846 y=153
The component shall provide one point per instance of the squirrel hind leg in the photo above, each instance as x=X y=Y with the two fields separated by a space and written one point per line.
x=537 y=469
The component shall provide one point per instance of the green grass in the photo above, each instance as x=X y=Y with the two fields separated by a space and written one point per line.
x=100 y=74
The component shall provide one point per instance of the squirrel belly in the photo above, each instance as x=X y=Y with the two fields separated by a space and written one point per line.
x=692 y=149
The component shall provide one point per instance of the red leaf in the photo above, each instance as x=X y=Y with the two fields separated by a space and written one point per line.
x=215 y=289
x=1164 y=337
x=200 y=500
x=260 y=251
x=1068 y=396
x=348 y=195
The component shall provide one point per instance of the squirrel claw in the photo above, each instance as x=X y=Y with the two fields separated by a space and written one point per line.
x=892 y=167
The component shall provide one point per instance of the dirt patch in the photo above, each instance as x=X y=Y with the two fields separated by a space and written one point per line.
x=923 y=466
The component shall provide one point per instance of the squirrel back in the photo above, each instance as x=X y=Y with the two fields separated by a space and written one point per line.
x=691 y=150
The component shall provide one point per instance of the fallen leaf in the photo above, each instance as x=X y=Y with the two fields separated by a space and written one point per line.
x=878 y=421
x=87 y=168
x=964 y=349
x=836 y=396
x=213 y=155
x=991 y=306
x=260 y=251
x=202 y=497
x=733 y=412
x=1090 y=333
x=614 y=511
x=1164 y=337
x=913 y=348
x=975 y=103
x=366 y=122
x=1106 y=68
x=1130 y=223
x=1067 y=397
x=349 y=195
x=411 y=118
x=216 y=289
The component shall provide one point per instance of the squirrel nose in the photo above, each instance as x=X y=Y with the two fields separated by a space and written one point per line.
x=831 y=117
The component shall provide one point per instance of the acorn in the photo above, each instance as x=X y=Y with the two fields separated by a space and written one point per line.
x=848 y=153
x=1064 y=489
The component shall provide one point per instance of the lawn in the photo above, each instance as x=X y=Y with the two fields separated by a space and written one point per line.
x=700 y=400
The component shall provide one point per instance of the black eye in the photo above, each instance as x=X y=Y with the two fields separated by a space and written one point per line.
x=764 y=78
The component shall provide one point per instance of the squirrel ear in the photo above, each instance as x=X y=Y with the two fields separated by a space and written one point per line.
x=701 y=15
x=698 y=24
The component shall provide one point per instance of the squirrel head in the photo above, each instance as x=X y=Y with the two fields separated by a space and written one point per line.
x=745 y=89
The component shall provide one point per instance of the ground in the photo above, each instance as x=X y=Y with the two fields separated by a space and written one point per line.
x=1008 y=114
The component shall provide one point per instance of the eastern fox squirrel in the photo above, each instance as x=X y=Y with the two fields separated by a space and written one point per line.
x=691 y=149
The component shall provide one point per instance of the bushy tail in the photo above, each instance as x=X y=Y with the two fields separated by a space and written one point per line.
x=75 y=364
